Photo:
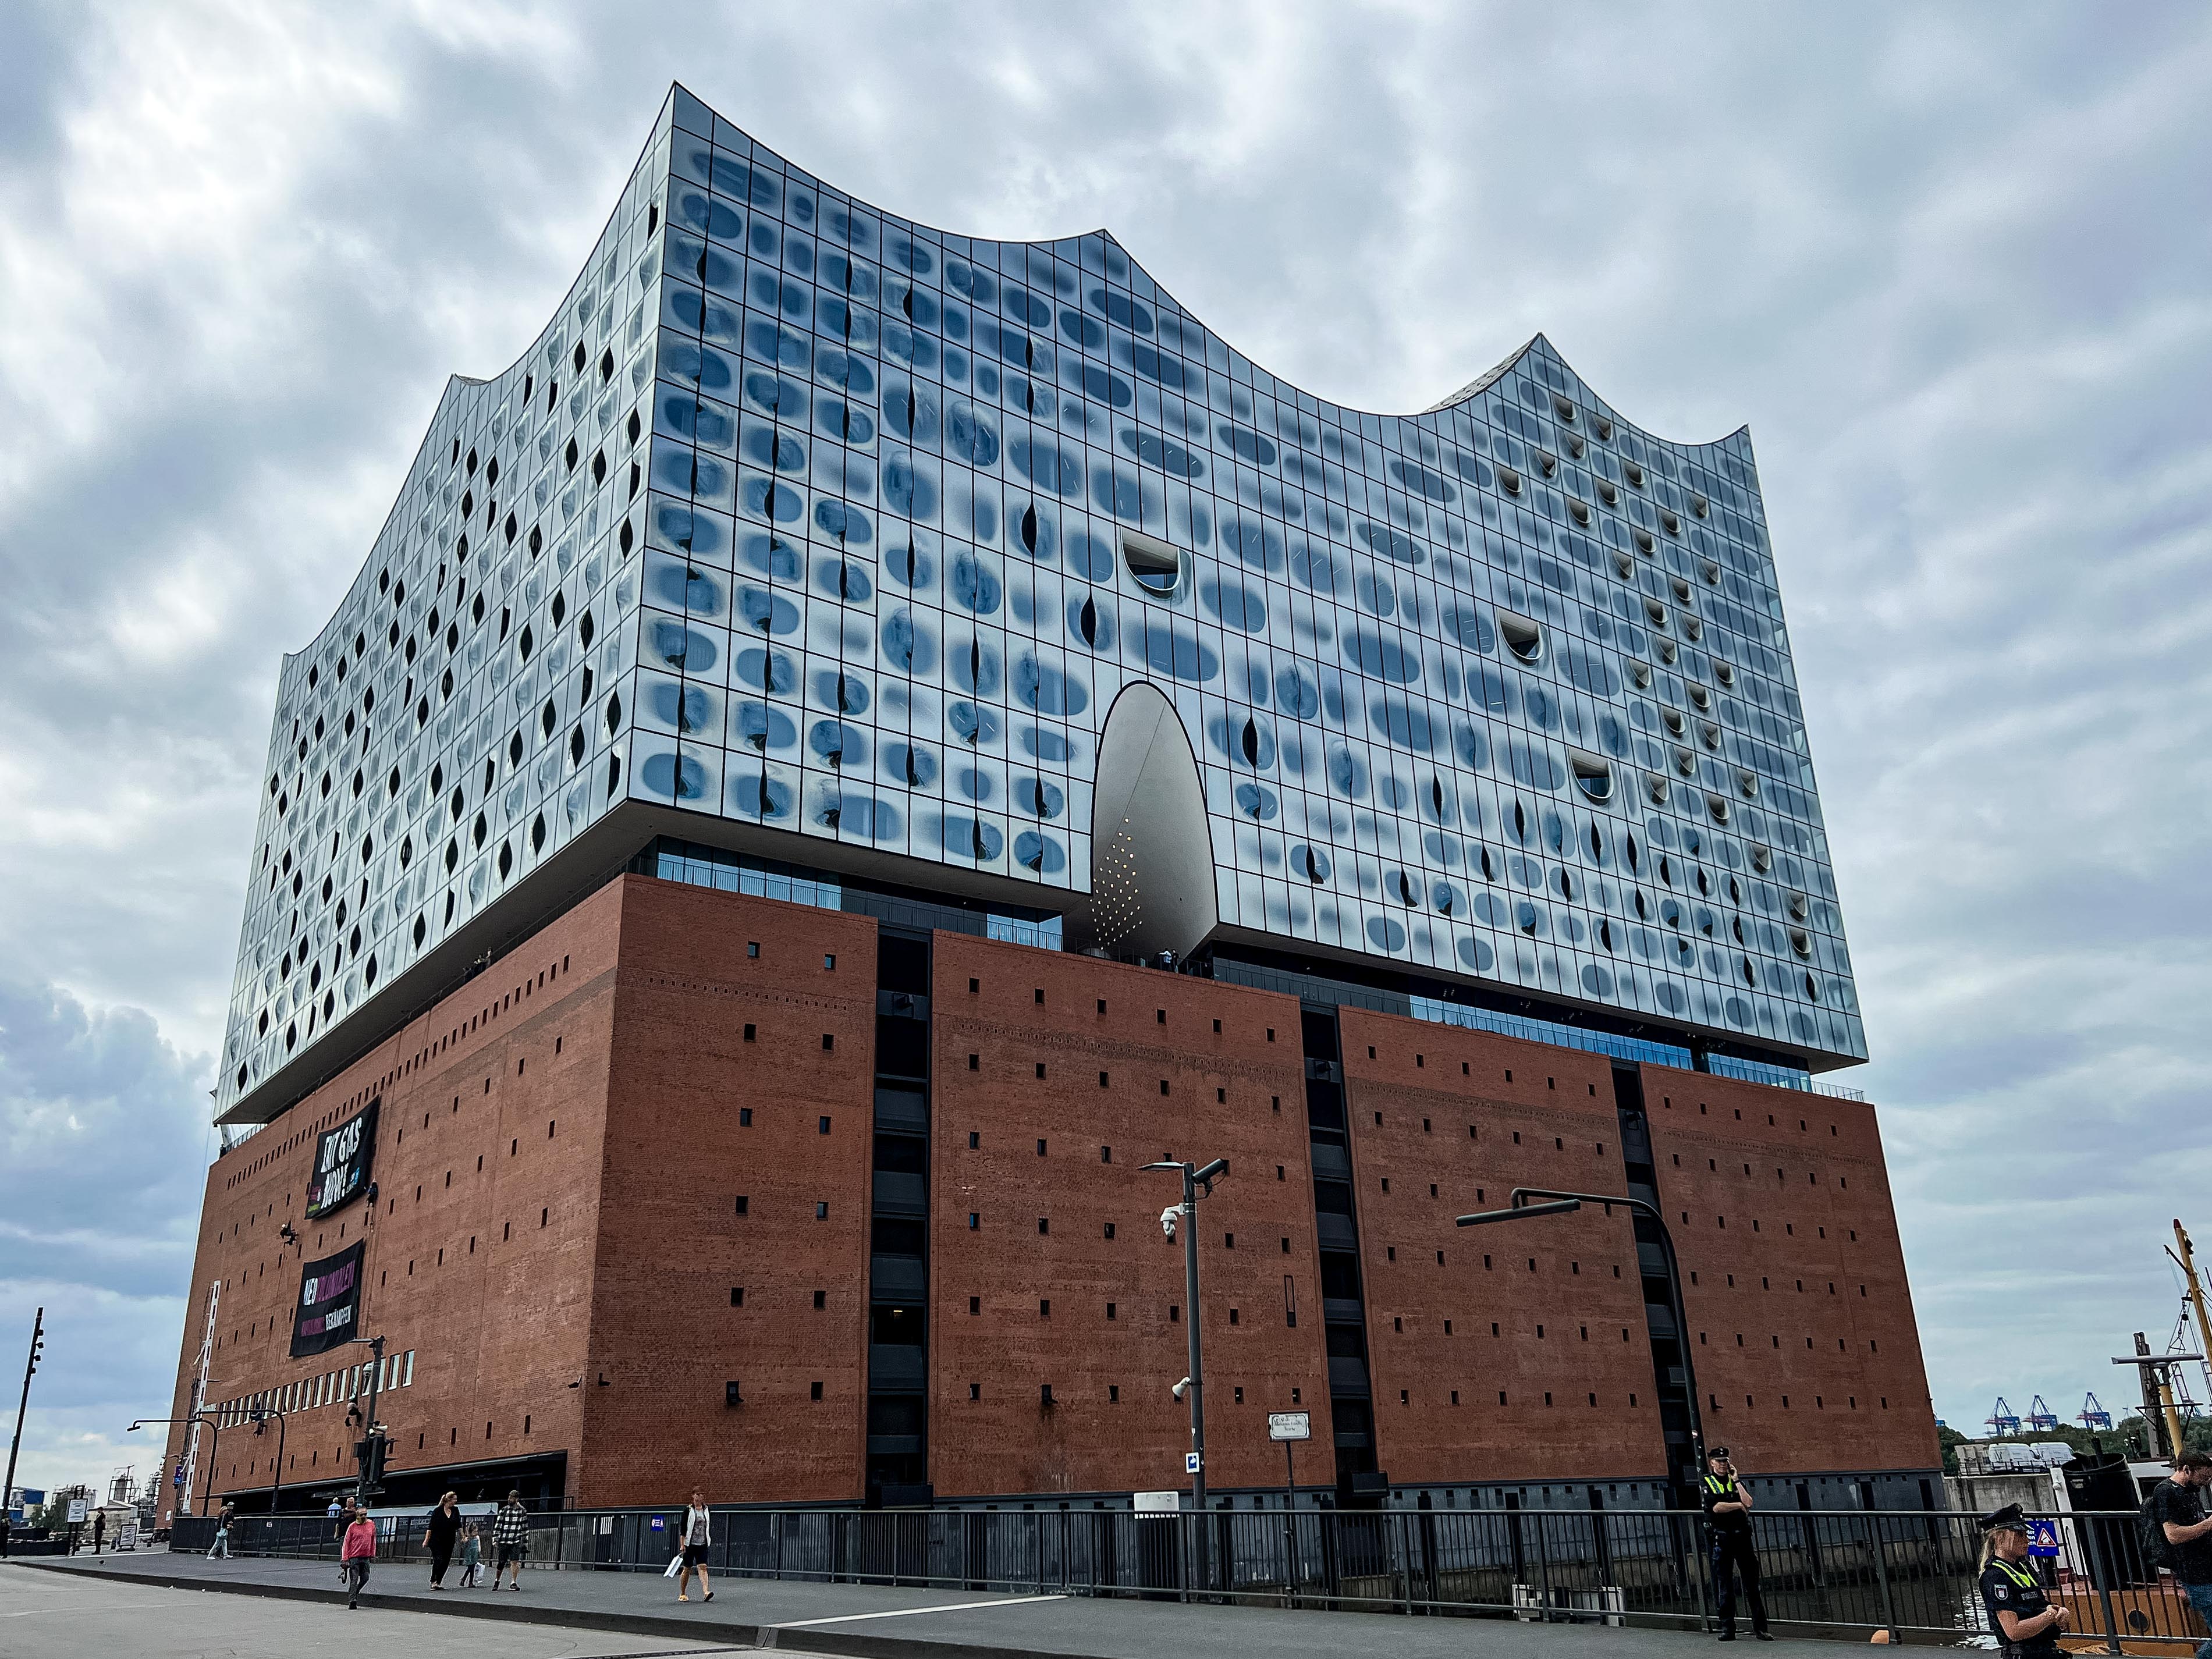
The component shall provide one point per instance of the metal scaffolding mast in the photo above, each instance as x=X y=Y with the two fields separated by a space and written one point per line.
x=199 y=1403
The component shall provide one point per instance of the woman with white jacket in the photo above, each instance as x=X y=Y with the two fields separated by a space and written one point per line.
x=696 y=1538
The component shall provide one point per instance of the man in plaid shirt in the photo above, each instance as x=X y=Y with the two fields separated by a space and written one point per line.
x=510 y=1537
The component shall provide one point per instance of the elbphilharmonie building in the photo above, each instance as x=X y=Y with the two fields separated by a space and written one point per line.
x=860 y=738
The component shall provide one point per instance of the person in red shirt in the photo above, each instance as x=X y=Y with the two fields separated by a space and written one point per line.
x=355 y=1555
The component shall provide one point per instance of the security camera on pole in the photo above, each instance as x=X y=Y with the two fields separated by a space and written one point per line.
x=1196 y=1182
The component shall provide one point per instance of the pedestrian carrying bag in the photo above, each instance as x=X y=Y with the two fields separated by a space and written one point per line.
x=675 y=1565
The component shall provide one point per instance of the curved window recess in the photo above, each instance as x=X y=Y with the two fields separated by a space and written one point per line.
x=1681 y=586
x=1746 y=784
x=1152 y=565
x=1657 y=613
x=1724 y=672
x=1802 y=942
x=1602 y=427
x=1686 y=762
x=1801 y=908
x=1593 y=776
x=1812 y=989
x=1575 y=447
x=1693 y=628
x=1669 y=523
x=1509 y=481
x=1666 y=652
x=1643 y=542
x=1578 y=511
x=1633 y=473
x=1718 y=807
x=1673 y=719
x=1699 y=695
x=1523 y=638
x=1547 y=465
x=1640 y=672
x=1762 y=859
x=1624 y=565
x=1606 y=493
x=1709 y=733
x=1563 y=408
x=1710 y=571
x=1698 y=506
x=1655 y=784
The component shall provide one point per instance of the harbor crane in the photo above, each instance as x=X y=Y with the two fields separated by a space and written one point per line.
x=2003 y=1419
x=2093 y=1415
x=2040 y=1416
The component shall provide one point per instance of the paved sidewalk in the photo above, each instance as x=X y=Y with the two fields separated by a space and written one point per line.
x=881 y=1623
x=52 y=1615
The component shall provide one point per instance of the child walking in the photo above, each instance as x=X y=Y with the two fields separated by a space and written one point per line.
x=471 y=1556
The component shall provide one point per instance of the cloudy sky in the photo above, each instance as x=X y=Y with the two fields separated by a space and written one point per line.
x=1953 y=264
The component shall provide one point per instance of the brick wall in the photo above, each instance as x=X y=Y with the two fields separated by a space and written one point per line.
x=1543 y=1314
x=678 y=1154
x=1807 y=1350
x=480 y=1246
x=1234 y=1092
x=564 y=1140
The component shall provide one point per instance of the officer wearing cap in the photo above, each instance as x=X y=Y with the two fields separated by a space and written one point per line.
x=1728 y=1510
x=2022 y=1616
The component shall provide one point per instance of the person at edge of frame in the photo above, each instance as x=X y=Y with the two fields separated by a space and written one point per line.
x=2021 y=1617
x=1727 y=1504
x=2177 y=1505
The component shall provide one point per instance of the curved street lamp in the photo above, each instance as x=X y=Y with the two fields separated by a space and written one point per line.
x=212 y=1420
x=1547 y=1201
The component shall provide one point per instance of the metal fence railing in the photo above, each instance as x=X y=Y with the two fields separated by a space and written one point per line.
x=1845 y=1573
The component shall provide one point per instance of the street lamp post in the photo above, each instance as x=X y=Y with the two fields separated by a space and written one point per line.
x=277 y=1474
x=1562 y=1203
x=1197 y=1181
x=214 y=1420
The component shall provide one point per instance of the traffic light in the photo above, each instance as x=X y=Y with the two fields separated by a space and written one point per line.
x=369 y=1452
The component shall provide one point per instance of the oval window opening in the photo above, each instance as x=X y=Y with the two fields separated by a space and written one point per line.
x=1523 y=638
x=1593 y=776
x=1718 y=807
x=1154 y=565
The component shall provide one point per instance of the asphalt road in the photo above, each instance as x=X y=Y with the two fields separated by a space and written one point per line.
x=51 y=1615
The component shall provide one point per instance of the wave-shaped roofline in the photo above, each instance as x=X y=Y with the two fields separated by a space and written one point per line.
x=1536 y=345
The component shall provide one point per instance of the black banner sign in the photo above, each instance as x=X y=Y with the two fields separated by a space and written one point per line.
x=329 y=1301
x=342 y=1161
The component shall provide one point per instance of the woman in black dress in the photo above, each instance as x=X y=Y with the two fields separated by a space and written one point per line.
x=442 y=1532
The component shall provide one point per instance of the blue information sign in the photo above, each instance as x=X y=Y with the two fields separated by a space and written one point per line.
x=2043 y=1537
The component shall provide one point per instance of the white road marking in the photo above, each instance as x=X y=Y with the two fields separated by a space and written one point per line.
x=905 y=1613
x=105 y=1606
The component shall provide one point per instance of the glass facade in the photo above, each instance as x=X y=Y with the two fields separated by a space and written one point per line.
x=810 y=519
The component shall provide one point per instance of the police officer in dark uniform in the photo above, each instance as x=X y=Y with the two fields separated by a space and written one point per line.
x=1727 y=1512
x=2021 y=1617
